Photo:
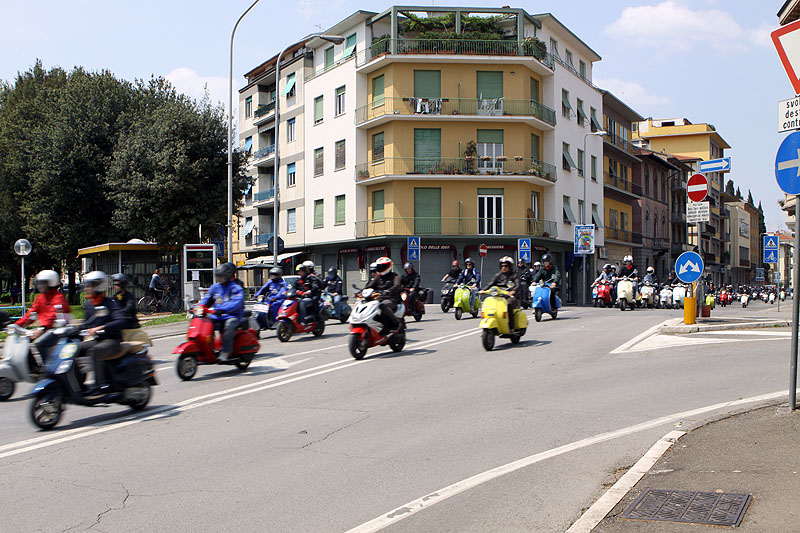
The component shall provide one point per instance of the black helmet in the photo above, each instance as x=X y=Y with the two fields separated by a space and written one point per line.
x=226 y=270
x=276 y=271
x=547 y=257
x=120 y=278
x=332 y=270
x=469 y=261
x=407 y=266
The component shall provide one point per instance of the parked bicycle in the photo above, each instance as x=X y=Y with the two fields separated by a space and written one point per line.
x=149 y=304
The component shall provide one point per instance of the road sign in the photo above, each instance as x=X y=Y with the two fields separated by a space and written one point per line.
x=786 y=40
x=789 y=114
x=483 y=250
x=524 y=250
x=697 y=188
x=584 y=239
x=770 y=249
x=271 y=244
x=716 y=165
x=413 y=249
x=697 y=212
x=777 y=276
x=759 y=274
x=787 y=164
x=689 y=267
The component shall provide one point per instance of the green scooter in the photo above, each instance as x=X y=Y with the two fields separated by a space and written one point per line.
x=461 y=302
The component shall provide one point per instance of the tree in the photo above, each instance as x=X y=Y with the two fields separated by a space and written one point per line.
x=738 y=193
x=750 y=198
x=729 y=188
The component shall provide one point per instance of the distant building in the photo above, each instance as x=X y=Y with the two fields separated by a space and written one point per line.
x=789 y=12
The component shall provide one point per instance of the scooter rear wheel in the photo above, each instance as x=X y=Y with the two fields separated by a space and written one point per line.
x=458 y=313
x=358 y=349
x=515 y=338
x=284 y=331
x=6 y=389
x=554 y=314
x=186 y=367
x=46 y=410
x=417 y=317
x=244 y=362
x=622 y=305
x=488 y=340
x=475 y=313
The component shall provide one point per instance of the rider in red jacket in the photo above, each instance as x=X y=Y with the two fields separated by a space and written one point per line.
x=47 y=282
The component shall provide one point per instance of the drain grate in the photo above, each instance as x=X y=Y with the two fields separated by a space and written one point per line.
x=713 y=508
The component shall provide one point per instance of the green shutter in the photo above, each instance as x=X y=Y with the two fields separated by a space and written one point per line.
x=377 y=91
x=319 y=214
x=377 y=147
x=319 y=108
x=567 y=156
x=427 y=210
x=490 y=136
x=428 y=83
x=535 y=146
x=565 y=100
x=329 y=57
x=535 y=89
x=349 y=46
x=490 y=85
x=340 y=212
x=427 y=149
x=377 y=205
x=493 y=192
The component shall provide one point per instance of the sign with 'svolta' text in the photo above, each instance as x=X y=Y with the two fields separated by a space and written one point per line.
x=697 y=212
x=789 y=114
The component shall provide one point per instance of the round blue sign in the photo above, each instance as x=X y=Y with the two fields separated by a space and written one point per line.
x=689 y=267
x=787 y=164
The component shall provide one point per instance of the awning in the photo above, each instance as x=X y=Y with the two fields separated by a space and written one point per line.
x=568 y=157
x=349 y=46
x=565 y=101
x=596 y=217
x=248 y=228
x=248 y=144
x=289 y=84
x=581 y=113
x=265 y=261
x=568 y=211
x=595 y=124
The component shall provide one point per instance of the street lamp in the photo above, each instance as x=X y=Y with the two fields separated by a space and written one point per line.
x=583 y=209
x=335 y=39
x=22 y=248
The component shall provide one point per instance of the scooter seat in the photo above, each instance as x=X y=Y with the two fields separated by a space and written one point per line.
x=125 y=349
x=247 y=314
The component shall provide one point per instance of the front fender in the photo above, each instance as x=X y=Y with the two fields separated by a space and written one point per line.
x=192 y=347
x=47 y=385
x=488 y=323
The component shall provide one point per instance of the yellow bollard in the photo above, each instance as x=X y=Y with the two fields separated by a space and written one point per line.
x=689 y=310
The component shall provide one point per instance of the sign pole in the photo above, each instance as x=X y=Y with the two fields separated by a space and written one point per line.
x=777 y=287
x=795 y=310
x=22 y=284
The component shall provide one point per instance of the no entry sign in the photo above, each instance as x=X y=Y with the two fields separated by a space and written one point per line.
x=697 y=188
x=483 y=250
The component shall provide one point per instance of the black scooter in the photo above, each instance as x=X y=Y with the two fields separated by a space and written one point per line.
x=448 y=294
x=130 y=371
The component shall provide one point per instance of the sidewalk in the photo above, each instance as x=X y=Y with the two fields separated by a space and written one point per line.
x=721 y=319
x=755 y=452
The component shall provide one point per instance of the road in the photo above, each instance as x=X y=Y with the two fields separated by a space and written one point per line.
x=310 y=440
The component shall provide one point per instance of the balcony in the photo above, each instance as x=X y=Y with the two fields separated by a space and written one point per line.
x=678 y=185
x=471 y=169
x=621 y=143
x=709 y=258
x=263 y=196
x=623 y=235
x=467 y=227
x=262 y=239
x=678 y=218
x=456 y=47
x=263 y=113
x=744 y=263
x=661 y=244
x=725 y=213
x=679 y=247
x=454 y=109
x=709 y=230
x=261 y=155
x=618 y=184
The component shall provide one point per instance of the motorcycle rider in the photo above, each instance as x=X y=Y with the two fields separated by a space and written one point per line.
x=630 y=271
x=525 y=279
x=455 y=271
x=672 y=279
x=470 y=277
x=105 y=320
x=651 y=277
x=373 y=270
x=605 y=275
x=273 y=293
x=410 y=282
x=388 y=283
x=125 y=300
x=333 y=286
x=536 y=267
x=507 y=279
x=227 y=299
x=549 y=273
x=44 y=305
x=309 y=288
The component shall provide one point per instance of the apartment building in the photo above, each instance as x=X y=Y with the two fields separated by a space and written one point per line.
x=679 y=239
x=460 y=126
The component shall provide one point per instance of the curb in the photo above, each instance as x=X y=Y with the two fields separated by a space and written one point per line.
x=698 y=328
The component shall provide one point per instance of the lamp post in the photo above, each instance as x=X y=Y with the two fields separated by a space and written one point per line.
x=335 y=39
x=583 y=209
x=22 y=248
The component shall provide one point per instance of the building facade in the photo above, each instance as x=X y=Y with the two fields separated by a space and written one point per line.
x=656 y=174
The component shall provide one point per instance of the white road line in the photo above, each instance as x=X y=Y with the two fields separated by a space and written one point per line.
x=429 y=500
x=638 y=338
x=749 y=333
x=16 y=448
x=598 y=511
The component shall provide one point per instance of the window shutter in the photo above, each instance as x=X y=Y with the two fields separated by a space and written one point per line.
x=319 y=158
x=289 y=84
x=490 y=85
x=340 y=155
x=428 y=83
x=349 y=46
x=427 y=149
x=319 y=214
x=427 y=210
x=377 y=90
x=319 y=108
x=490 y=136
x=340 y=209
x=535 y=146
x=377 y=205
x=329 y=57
x=377 y=147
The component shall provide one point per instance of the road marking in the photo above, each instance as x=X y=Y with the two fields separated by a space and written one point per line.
x=16 y=448
x=638 y=338
x=598 y=511
x=749 y=333
x=443 y=494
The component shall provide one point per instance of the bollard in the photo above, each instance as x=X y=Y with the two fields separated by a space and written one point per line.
x=689 y=310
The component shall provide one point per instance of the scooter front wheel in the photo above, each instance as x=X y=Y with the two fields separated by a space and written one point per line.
x=142 y=397
x=358 y=347
x=621 y=305
x=46 y=410
x=187 y=367
x=537 y=314
x=458 y=313
x=445 y=304
x=319 y=329
x=284 y=331
x=488 y=340
x=6 y=389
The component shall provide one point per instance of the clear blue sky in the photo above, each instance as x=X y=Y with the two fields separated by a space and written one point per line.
x=706 y=60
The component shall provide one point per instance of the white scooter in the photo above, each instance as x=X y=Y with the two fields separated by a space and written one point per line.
x=772 y=298
x=745 y=299
x=649 y=295
x=625 y=294
x=666 y=297
x=783 y=296
x=678 y=294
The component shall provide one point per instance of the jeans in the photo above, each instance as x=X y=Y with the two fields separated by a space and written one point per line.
x=99 y=350
x=45 y=343
x=228 y=329
x=473 y=293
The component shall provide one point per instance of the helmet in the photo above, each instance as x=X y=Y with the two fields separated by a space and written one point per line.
x=309 y=265
x=407 y=266
x=650 y=270
x=95 y=281
x=48 y=276
x=547 y=257
x=302 y=268
x=537 y=264
x=276 y=271
x=332 y=270
x=469 y=261
x=627 y=259
x=383 y=265
x=226 y=270
x=120 y=278
x=606 y=266
x=455 y=264
x=373 y=267
x=506 y=260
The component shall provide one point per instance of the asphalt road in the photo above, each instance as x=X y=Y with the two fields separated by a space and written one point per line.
x=310 y=440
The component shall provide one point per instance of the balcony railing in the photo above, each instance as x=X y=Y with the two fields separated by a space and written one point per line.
x=262 y=238
x=261 y=153
x=744 y=263
x=456 y=226
x=709 y=258
x=678 y=218
x=617 y=182
x=678 y=248
x=264 y=110
x=661 y=244
x=511 y=166
x=264 y=196
x=455 y=47
x=678 y=185
x=621 y=142
x=499 y=107
x=622 y=235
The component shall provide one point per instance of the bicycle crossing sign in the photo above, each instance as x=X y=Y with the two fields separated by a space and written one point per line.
x=524 y=250
x=770 y=248
x=413 y=249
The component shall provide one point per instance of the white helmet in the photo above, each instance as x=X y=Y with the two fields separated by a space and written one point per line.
x=48 y=276
x=627 y=258
x=95 y=281
x=650 y=270
x=309 y=265
x=537 y=264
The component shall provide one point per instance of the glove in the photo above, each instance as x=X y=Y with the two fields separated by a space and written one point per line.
x=260 y=298
x=218 y=312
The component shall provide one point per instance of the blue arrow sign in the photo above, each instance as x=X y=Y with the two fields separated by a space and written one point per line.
x=787 y=164
x=770 y=242
x=524 y=250
x=689 y=267
x=715 y=165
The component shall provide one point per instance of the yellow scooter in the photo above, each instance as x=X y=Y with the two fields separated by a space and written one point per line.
x=494 y=318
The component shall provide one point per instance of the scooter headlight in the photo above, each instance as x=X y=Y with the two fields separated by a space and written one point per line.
x=64 y=366
x=494 y=291
x=68 y=351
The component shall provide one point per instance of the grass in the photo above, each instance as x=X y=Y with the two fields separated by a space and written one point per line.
x=170 y=319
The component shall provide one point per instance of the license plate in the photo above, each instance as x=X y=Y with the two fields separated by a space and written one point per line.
x=261 y=308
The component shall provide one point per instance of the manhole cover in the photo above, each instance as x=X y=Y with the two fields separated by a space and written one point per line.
x=714 y=508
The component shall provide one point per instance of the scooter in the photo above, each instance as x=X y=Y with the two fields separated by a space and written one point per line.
x=771 y=298
x=289 y=319
x=678 y=294
x=783 y=296
x=711 y=301
x=603 y=294
x=666 y=296
x=202 y=346
x=419 y=305
x=541 y=302
x=494 y=319
x=461 y=300
x=745 y=299
x=448 y=293
x=330 y=309
x=625 y=294
x=365 y=328
x=130 y=371
x=648 y=295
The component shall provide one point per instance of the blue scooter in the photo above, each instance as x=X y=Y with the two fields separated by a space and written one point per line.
x=541 y=302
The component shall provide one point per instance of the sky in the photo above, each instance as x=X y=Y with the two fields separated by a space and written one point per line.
x=706 y=60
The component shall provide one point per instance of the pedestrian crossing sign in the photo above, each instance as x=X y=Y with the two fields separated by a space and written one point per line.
x=413 y=242
x=524 y=250
x=770 y=242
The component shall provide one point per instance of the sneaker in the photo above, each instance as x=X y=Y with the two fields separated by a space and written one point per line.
x=223 y=357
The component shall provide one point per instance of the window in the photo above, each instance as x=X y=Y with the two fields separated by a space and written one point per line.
x=582 y=69
x=594 y=168
x=340 y=210
x=349 y=46
x=427 y=210
x=291 y=175
x=596 y=220
x=248 y=106
x=377 y=147
x=319 y=214
x=328 y=57
x=248 y=144
x=427 y=84
x=613 y=218
x=647 y=181
x=567 y=215
x=247 y=231
x=535 y=204
x=339 y=155
x=291 y=221
x=289 y=90
x=319 y=109
x=568 y=58
x=319 y=157
x=595 y=123
x=566 y=108
x=580 y=211
x=339 y=104
x=535 y=90
x=490 y=85
x=290 y=130
x=490 y=150
x=554 y=47
x=490 y=211
x=623 y=221
x=377 y=205
x=580 y=162
x=535 y=147
x=581 y=113
x=377 y=91
x=647 y=223
x=427 y=150
x=567 y=162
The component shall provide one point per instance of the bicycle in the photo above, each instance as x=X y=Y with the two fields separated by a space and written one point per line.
x=149 y=304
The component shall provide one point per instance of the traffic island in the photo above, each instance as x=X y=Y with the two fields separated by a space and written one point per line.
x=676 y=326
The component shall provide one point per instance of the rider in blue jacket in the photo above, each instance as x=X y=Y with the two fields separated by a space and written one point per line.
x=471 y=277
x=273 y=294
x=226 y=297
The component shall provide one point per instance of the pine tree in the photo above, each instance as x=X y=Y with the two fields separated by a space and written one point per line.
x=738 y=193
x=729 y=188
x=750 y=197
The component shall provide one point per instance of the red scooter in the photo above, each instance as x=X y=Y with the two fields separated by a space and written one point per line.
x=289 y=319
x=202 y=346
x=603 y=295
x=419 y=307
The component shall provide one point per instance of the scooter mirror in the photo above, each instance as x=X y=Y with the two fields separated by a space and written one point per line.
x=355 y=286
